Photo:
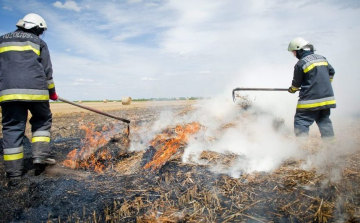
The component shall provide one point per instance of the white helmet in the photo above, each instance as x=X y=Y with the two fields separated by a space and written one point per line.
x=20 y=23
x=32 y=20
x=298 y=44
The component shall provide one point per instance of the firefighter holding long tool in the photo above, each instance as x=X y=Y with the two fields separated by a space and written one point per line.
x=26 y=84
x=313 y=76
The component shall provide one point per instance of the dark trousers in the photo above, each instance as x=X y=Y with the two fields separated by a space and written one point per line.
x=303 y=120
x=14 y=118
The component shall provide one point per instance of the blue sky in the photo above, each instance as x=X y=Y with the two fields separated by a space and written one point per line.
x=183 y=48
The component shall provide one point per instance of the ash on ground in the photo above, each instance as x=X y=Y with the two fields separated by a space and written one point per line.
x=176 y=192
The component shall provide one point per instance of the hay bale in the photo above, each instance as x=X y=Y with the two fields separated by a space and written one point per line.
x=79 y=102
x=126 y=100
x=105 y=101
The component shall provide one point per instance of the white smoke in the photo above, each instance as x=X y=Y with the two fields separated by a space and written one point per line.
x=261 y=136
x=331 y=156
x=251 y=136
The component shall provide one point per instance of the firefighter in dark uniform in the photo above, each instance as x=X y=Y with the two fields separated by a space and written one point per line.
x=26 y=84
x=312 y=76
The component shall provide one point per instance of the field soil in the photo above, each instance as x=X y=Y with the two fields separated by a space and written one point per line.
x=62 y=108
x=124 y=190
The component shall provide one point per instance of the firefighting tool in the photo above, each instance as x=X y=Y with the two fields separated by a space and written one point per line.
x=258 y=89
x=98 y=111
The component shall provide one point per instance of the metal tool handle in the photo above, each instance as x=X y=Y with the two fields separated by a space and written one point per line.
x=93 y=110
x=257 y=89
x=260 y=89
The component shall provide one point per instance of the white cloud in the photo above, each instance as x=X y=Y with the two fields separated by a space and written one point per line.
x=7 y=8
x=134 y=1
x=84 y=80
x=126 y=35
x=148 y=79
x=69 y=5
x=81 y=81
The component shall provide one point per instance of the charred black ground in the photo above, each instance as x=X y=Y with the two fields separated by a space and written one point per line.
x=176 y=193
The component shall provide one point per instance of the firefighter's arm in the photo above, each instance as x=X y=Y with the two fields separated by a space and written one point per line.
x=331 y=72
x=297 y=79
x=46 y=63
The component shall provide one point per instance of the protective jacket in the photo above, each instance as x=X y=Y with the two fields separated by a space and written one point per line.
x=25 y=68
x=314 y=74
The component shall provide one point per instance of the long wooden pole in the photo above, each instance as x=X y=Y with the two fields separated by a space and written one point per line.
x=97 y=111
x=93 y=110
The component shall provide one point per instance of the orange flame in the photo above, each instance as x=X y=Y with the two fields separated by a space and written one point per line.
x=171 y=145
x=85 y=157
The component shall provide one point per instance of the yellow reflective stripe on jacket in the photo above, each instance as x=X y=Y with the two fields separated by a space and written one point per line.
x=311 y=66
x=30 y=97
x=50 y=86
x=19 y=48
x=13 y=157
x=317 y=104
x=40 y=139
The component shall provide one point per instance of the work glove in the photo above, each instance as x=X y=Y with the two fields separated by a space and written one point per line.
x=292 y=90
x=54 y=96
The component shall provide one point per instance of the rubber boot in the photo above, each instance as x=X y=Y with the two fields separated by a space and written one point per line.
x=48 y=161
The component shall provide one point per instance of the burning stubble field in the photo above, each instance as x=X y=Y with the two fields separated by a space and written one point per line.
x=188 y=161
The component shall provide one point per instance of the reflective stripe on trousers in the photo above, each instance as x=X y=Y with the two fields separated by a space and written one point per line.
x=13 y=160
x=40 y=143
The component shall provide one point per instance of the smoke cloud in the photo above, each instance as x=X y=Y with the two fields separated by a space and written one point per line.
x=260 y=135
